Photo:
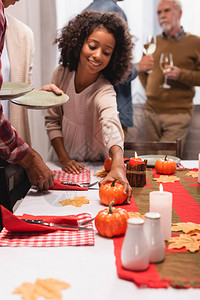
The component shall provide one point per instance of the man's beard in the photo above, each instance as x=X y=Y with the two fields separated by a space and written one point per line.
x=166 y=27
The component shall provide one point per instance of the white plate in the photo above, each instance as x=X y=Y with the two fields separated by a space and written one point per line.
x=151 y=159
x=41 y=100
x=10 y=90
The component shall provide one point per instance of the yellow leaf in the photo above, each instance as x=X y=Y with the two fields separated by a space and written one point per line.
x=188 y=227
x=47 y=288
x=191 y=243
x=102 y=173
x=166 y=178
x=194 y=174
x=78 y=201
x=135 y=215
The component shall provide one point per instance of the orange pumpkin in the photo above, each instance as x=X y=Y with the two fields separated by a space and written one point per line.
x=108 y=164
x=165 y=166
x=111 y=221
x=112 y=191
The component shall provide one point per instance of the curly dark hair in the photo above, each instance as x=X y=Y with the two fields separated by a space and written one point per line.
x=78 y=29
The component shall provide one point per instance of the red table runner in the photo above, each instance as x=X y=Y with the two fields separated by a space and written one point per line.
x=180 y=268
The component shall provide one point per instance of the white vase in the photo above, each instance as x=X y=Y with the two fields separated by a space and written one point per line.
x=154 y=237
x=135 y=252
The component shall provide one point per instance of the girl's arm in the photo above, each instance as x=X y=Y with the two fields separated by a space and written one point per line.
x=68 y=165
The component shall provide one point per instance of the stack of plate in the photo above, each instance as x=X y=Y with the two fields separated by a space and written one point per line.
x=23 y=94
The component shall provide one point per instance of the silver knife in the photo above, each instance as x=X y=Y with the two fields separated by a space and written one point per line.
x=40 y=222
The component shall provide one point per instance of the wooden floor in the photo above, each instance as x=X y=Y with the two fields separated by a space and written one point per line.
x=192 y=146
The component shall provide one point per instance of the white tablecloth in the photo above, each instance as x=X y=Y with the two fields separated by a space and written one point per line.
x=90 y=270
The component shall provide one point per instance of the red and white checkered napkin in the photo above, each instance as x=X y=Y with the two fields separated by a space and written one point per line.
x=57 y=238
x=83 y=177
x=180 y=166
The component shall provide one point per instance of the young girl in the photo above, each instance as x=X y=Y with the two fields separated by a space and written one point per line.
x=96 y=53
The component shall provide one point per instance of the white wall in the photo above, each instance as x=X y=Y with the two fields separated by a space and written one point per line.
x=44 y=28
x=191 y=22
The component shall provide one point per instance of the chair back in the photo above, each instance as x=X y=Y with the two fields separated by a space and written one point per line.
x=151 y=147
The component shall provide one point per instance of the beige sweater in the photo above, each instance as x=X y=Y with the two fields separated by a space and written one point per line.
x=20 y=44
x=88 y=122
x=178 y=99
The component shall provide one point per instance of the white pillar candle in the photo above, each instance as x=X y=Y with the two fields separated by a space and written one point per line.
x=161 y=202
x=199 y=170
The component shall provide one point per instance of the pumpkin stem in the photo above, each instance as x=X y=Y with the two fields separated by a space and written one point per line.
x=165 y=157
x=113 y=183
x=110 y=211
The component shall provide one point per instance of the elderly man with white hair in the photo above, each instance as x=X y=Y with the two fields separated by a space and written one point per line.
x=169 y=110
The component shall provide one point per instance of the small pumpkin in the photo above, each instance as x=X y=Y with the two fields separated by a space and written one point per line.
x=108 y=164
x=111 y=221
x=112 y=191
x=165 y=166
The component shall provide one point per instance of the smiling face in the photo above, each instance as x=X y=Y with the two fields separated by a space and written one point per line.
x=7 y=3
x=97 y=51
x=169 y=17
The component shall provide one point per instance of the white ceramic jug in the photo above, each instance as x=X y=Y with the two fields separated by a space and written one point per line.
x=135 y=252
x=154 y=237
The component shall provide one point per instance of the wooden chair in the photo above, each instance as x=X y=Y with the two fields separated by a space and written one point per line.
x=14 y=185
x=145 y=147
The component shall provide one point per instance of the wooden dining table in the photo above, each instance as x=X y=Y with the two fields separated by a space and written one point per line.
x=90 y=270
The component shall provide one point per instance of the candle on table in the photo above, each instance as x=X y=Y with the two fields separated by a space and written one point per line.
x=134 y=161
x=199 y=170
x=161 y=202
x=136 y=171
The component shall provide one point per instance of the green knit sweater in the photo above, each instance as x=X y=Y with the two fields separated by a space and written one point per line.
x=178 y=99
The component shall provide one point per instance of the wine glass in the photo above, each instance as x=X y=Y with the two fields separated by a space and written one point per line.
x=150 y=45
x=166 y=62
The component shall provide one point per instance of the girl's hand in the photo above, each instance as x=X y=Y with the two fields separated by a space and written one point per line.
x=72 y=166
x=119 y=174
x=51 y=88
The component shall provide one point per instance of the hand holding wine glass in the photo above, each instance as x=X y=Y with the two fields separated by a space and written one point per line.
x=166 y=62
x=148 y=49
x=150 y=46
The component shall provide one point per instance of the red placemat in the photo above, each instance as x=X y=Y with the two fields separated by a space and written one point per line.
x=56 y=238
x=180 y=268
x=59 y=186
x=82 y=177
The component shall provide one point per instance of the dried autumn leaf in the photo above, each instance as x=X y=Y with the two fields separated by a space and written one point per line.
x=191 y=243
x=166 y=178
x=132 y=214
x=51 y=288
x=47 y=288
x=46 y=291
x=188 y=227
x=55 y=282
x=194 y=174
x=78 y=201
x=102 y=173
x=27 y=290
